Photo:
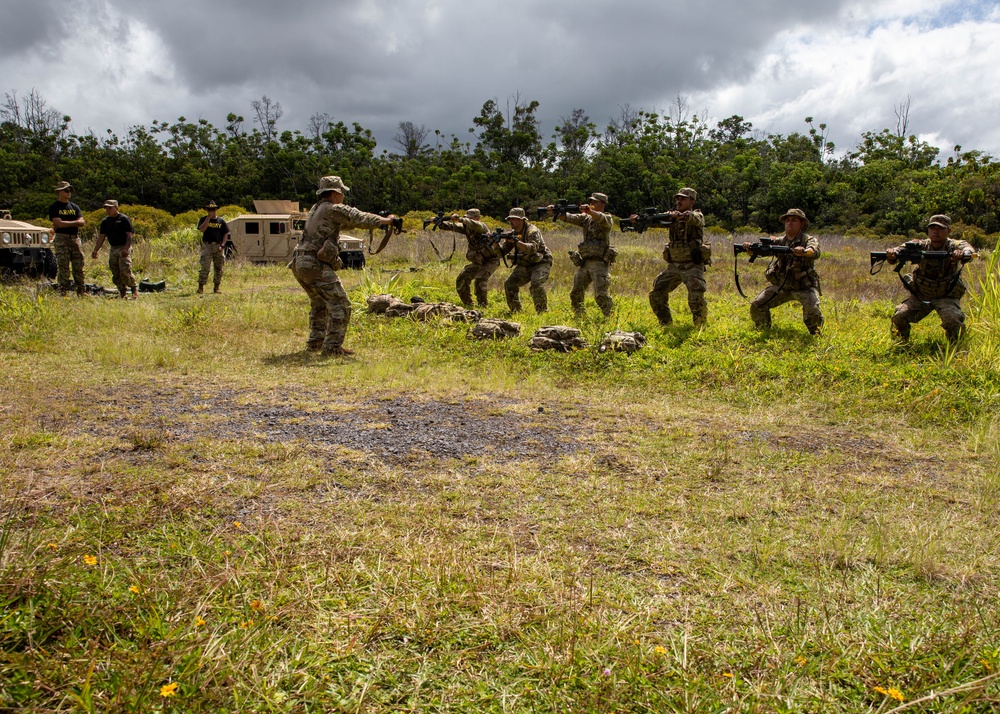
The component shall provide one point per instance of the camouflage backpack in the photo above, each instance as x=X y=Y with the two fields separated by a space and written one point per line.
x=381 y=305
x=557 y=337
x=494 y=329
x=445 y=310
x=619 y=341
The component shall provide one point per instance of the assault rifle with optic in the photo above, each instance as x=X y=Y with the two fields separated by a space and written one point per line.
x=912 y=252
x=651 y=217
x=560 y=208
x=765 y=248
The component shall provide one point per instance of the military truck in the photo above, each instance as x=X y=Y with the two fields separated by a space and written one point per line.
x=25 y=249
x=271 y=234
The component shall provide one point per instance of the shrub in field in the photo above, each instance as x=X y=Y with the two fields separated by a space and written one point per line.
x=747 y=230
x=860 y=232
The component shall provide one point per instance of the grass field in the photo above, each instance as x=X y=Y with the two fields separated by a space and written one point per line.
x=198 y=515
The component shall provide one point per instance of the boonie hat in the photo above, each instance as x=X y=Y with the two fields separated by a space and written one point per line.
x=63 y=186
x=687 y=193
x=331 y=183
x=473 y=213
x=111 y=203
x=600 y=197
x=795 y=213
x=939 y=220
x=517 y=213
x=211 y=205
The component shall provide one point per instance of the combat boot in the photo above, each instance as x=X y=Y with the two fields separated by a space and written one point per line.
x=135 y=293
x=337 y=352
x=201 y=288
x=216 y=289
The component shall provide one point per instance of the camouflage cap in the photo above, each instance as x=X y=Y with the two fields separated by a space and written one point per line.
x=111 y=203
x=795 y=213
x=63 y=186
x=517 y=213
x=331 y=183
x=939 y=220
x=211 y=206
x=474 y=214
x=599 y=197
x=687 y=193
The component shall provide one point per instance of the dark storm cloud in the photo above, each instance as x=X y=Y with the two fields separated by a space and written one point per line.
x=33 y=27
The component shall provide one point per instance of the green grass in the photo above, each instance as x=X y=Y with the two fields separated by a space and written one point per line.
x=723 y=521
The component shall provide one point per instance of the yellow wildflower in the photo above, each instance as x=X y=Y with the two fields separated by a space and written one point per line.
x=227 y=552
x=90 y=559
x=880 y=690
x=986 y=665
x=727 y=674
x=800 y=660
x=256 y=605
x=245 y=625
x=51 y=546
x=237 y=524
x=134 y=589
x=895 y=694
x=198 y=622
x=169 y=690
x=660 y=650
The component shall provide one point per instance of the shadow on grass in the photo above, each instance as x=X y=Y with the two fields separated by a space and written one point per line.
x=302 y=358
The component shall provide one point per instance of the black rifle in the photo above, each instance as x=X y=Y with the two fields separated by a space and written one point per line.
x=911 y=253
x=765 y=248
x=649 y=218
x=561 y=208
x=498 y=237
x=436 y=221
x=394 y=228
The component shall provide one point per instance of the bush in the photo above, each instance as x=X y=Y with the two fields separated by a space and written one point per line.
x=973 y=234
x=861 y=232
x=752 y=230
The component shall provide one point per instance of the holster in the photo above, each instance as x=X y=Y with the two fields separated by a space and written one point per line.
x=329 y=253
x=576 y=258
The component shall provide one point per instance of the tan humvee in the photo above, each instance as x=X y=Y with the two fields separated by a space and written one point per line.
x=271 y=234
x=26 y=249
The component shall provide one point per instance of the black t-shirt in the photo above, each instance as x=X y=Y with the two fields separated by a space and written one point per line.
x=116 y=228
x=217 y=230
x=68 y=211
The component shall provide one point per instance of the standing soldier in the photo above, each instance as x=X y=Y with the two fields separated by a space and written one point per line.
x=316 y=260
x=792 y=275
x=67 y=220
x=483 y=260
x=594 y=255
x=934 y=284
x=117 y=228
x=214 y=234
x=686 y=255
x=532 y=262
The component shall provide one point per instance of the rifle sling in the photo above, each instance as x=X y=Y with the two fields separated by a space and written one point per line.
x=454 y=246
x=736 y=275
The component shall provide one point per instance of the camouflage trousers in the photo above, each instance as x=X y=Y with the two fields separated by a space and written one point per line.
x=211 y=256
x=330 y=308
x=593 y=270
x=68 y=253
x=773 y=296
x=914 y=310
x=669 y=280
x=536 y=275
x=121 y=268
x=478 y=274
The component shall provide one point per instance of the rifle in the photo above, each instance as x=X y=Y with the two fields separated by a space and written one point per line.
x=436 y=221
x=498 y=237
x=913 y=253
x=649 y=218
x=765 y=248
x=394 y=228
x=560 y=208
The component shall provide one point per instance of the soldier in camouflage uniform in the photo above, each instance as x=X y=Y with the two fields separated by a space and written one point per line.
x=214 y=235
x=316 y=260
x=117 y=228
x=67 y=220
x=532 y=262
x=594 y=255
x=686 y=256
x=934 y=284
x=792 y=276
x=482 y=257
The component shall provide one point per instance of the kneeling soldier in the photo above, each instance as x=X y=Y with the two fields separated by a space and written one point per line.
x=316 y=260
x=792 y=275
x=117 y=228
x=686 y=255
x=934 y=284
x=483 y=260
x=532 y=262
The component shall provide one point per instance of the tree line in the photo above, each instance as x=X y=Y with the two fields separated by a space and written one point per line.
x=887 y=184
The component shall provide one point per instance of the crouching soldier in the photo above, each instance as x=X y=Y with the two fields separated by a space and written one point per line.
x=316 y=260
x=483 y=259
x=686 y=255
x=936 y=283
x=594 y=256
x=792 y=275
x=532 y=262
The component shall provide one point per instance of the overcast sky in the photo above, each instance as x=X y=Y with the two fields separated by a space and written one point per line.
x=114 y=63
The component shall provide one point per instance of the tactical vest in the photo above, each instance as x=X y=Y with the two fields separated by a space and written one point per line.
x=934 y=279
x=687 y=240
x=532 y=235
x=792 y=272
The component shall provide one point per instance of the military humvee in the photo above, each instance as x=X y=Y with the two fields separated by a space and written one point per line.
x=26 y=250
x=271 y=234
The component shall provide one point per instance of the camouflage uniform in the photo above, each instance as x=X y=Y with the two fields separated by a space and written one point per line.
x=482 y=257
x=530 y=266
x=685 y=264
x=212 y=257
x=69 y=254
x=330 y=310
x=792 y=278
x=595 y=256
x=121 y=268
x=935 y=285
